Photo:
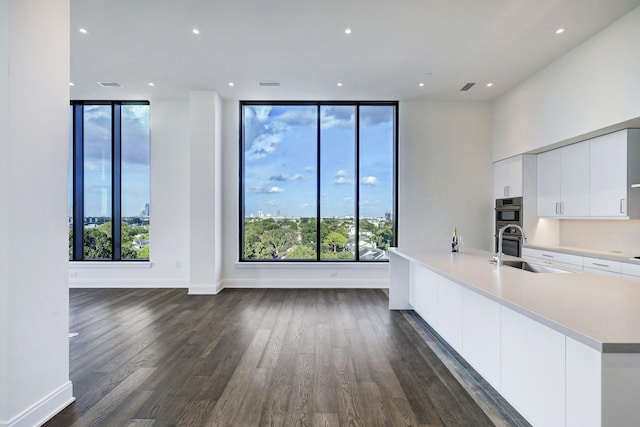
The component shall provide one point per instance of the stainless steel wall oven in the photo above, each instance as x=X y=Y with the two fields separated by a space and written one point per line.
x=509 y=211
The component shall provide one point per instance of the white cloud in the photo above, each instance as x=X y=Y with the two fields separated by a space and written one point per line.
x=266 y=190
x=264 y=145
x=285 y=177
x=342 y=177
x=369 y=180
x=337 y=116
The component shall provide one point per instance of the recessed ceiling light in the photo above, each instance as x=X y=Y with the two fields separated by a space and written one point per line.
x=489 y=84
x=339 y=83
x=421 y=84
x=347 y=31
x=83 y=30
x=560 y=31
x=196 y=31
x=151 y=84
x=231 y=84
x=71 y=84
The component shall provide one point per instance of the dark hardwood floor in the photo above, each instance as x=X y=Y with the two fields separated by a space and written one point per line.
x=278 y=357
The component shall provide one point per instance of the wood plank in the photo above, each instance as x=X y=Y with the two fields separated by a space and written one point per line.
x=268 y=357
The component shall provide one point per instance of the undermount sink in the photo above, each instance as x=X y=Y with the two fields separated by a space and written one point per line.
x=534 y=268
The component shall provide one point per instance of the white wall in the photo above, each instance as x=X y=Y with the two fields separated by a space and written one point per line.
x=445 y=174
x=169 y=219
x=4 y=211
x=34 y=343
x=204 y=188
x=592 y=87
x=445 y=181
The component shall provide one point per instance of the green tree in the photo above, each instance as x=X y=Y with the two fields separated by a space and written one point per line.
x=301 y=252
x=143 y=253
x=308 y=231
x=98 y=243
x=336 y=241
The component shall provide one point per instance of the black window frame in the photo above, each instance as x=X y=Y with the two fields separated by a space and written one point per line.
x=77 y=169
x=319 y=104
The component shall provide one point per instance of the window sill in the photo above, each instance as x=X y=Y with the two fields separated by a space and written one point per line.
x=110 y=264
x=369 y=265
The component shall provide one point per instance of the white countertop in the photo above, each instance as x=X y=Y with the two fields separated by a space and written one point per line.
x=600 y=311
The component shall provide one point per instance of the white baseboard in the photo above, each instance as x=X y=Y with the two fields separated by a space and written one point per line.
x=127 y=283
x=205 y=289
x=307 y=283
x=43 y=410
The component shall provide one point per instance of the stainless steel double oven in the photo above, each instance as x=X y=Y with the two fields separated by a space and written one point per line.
x=509 y=211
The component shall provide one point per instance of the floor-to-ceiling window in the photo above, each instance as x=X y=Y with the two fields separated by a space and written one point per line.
x=318 y=180
x=109 y=181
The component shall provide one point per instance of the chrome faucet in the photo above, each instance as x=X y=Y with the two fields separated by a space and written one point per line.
x=498 y=256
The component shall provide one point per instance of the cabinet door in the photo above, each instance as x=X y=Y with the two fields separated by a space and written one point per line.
x=608 y=175
x=532 y=376
x=500 y=179
x=574 y=180
x=481 y=335
x=549 y=183
x=507 y=178
x=423 y=293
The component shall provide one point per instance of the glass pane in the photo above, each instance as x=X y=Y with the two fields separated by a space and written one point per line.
x=97 y=182
x=376 y=181
x=135 y=181
x=280 y=187
x=70 y=184
x=337 y=182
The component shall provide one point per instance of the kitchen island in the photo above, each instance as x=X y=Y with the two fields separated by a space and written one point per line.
x=562 y=348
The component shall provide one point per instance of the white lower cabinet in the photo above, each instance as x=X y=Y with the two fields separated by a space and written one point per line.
x=549 y=377
x=533 y=369
x=450 y=313
x=423 y=293
x=553 y=259
x=584 y=378
x=481 y=335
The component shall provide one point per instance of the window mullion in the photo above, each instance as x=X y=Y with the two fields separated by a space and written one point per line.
x=78 y=180
x=318 y=187
x=357 y=189
x=116 y=224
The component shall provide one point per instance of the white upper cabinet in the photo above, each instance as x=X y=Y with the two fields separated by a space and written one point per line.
x=563 y=182
x=592 y=179
x=507 y=178
x=549 y=183
x=608 y=175
x=574 y=181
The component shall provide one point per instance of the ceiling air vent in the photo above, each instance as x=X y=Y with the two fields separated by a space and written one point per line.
x=269 y=84
x=466 y=87
x=109 y=84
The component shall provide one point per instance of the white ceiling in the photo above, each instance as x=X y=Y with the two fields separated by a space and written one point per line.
x=394 y=45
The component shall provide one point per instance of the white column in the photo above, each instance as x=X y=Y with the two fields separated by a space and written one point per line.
x=34 y=139
x=205 y=192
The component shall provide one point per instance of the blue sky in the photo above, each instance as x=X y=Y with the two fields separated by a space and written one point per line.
x=281 y=160
x=97 y=159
